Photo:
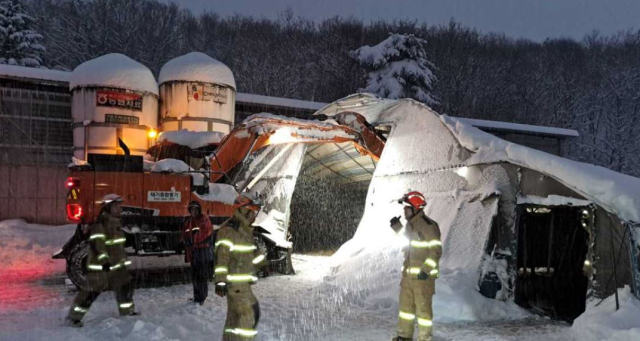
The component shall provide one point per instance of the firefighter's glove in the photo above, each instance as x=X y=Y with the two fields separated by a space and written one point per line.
x=221 y=289
x=395 y=220
x=395 y=224
x=106 y=267
x=423 y=276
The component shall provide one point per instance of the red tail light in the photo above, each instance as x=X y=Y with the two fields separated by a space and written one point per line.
x=74 y=212
x=72 y=182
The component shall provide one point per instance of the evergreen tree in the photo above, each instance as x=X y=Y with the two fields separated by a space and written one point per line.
x=19 y=43
x=398 y=68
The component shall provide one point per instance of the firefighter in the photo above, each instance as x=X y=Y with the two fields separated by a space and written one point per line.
x=420 y=269
x=197 y=235
x=237 y=257
x=106 y=264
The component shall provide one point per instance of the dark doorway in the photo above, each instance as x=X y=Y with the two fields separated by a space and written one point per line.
x=552 y=247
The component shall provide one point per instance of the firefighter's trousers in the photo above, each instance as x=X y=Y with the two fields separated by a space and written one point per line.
x=84 y=299
x=415 y=305
x=243 y=313
x=201 y=273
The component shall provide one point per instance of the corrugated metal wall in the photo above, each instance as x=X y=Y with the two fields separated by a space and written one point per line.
x=35 y=193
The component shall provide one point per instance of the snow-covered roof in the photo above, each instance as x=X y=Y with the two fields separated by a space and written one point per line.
x=196 y=67
x=114 y=70
x=192 y=139
x=617 y=193
x=520 y=127
x=279 y=101
x=34 y=73
x=371 y=106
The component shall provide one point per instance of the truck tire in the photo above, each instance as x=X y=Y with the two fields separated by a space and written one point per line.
x=77 y=265
x=262 y=248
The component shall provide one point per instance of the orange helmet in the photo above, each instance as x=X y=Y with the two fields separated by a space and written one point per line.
x=245 y=200
x=414 y=199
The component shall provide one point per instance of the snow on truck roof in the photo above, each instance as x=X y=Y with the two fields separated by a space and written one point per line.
x=114 y=70
x=192 y=139
x=196 y=67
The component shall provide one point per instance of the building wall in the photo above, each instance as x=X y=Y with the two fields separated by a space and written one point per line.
x=35 y=124
x=35 y=193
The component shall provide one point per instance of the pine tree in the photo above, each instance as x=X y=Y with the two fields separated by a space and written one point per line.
x=398 y=68
x=19 y=43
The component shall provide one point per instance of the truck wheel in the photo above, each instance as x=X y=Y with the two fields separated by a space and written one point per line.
x=77 y=265
x=262 y=249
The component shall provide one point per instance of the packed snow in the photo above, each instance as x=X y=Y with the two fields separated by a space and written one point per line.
x=177 y=166
x=601 y=321
x=191 y=139
x=617 y=193
x=220 y=193
x=114 y=70
x=553 y=200
x=77 y=162
x=196 y=67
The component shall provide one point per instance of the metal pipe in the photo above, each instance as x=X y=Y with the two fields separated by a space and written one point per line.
x=615 y=273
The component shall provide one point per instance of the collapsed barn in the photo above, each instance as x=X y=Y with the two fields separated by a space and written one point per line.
x=517 y=223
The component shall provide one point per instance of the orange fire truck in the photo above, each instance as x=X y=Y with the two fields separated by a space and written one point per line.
x=155 y=203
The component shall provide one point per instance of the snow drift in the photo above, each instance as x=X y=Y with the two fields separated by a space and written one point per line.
x=603 y=323
x=28 y=246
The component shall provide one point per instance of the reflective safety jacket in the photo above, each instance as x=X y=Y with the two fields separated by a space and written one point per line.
x=236 y=252
x=199 y=246
x=425 y=248
x=106 y=246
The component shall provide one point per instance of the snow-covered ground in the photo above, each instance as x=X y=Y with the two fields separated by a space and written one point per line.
x=306 y=306
x=312 y=305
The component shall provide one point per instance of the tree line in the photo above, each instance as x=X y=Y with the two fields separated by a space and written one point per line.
x=591 y=85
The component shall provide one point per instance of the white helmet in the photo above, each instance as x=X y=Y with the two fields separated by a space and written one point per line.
x=109 y=198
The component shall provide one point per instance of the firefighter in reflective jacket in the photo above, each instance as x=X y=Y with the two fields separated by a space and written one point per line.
x=106 y=264
x=197 y=235
x=420 y=269
x=236 y=259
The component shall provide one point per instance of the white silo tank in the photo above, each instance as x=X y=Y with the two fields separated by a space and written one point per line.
x=113 y=97
x=197 y=93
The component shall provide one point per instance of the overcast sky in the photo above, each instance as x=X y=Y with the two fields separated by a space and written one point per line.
x=533 y=19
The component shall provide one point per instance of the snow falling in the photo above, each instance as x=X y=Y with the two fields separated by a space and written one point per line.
x=324 y=212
